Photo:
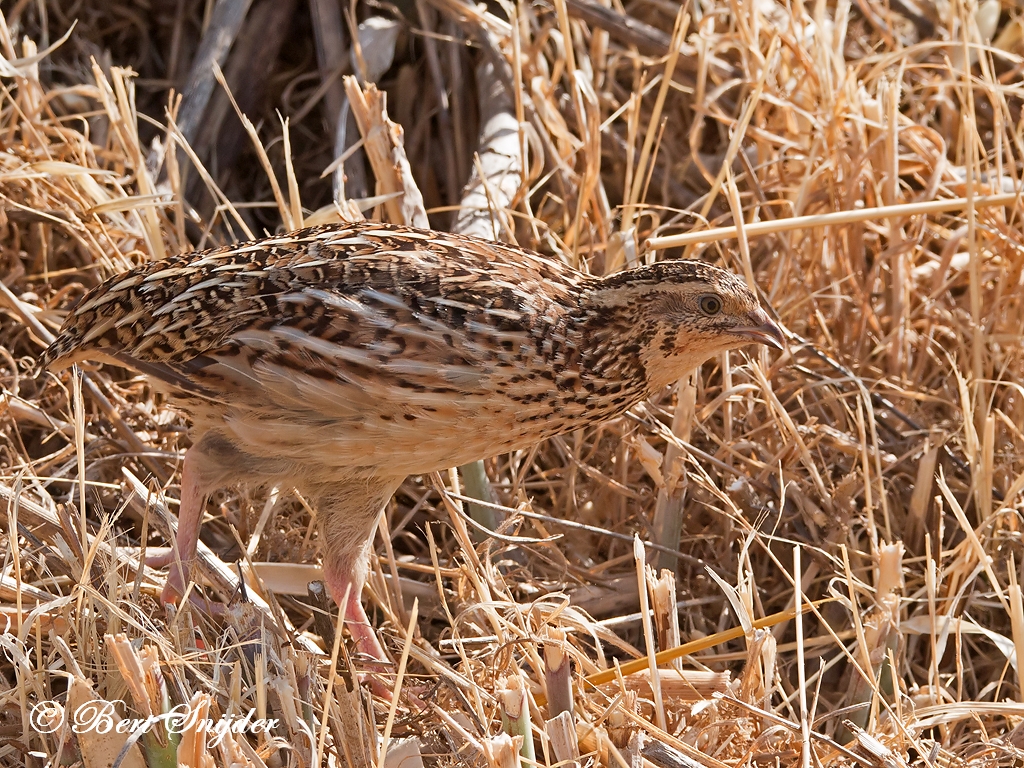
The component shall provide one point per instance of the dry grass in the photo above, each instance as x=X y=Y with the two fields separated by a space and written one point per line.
x=877 y=465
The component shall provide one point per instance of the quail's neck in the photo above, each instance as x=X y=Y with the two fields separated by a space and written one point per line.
x=628 y=348
x=610 y=347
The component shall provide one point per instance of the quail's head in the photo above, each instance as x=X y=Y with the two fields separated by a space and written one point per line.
x=677 y=314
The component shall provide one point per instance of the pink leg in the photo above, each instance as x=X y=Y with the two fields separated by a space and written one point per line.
x=190 y=519
x=354 y=617
x=339 y=580
x=348 y=511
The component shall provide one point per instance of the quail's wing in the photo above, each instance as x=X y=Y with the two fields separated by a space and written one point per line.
x=412 y=347
x=364 y=331
x=367 y=370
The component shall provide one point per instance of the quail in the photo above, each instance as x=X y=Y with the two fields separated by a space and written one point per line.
x=341 y=359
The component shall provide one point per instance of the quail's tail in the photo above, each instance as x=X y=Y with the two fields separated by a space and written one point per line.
x=60 y=353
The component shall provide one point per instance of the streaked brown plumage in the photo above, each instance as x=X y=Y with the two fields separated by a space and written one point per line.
x=341 y=359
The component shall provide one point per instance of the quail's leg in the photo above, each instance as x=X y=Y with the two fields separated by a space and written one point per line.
x=339 y=581
x=182 y=556
x=348 y=510
x=346 y=585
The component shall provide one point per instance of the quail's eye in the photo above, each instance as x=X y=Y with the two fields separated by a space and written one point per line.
x=710 y=304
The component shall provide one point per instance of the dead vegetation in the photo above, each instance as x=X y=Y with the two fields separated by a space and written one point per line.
x=862 y=489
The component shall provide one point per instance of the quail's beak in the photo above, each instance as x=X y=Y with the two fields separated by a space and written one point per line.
x=763 y=330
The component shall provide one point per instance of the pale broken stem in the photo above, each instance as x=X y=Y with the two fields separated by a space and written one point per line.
x=805 y=752
x=920 y=498
x=668 y=512
x=666 y=615
x=502 y=751
x=558 y=673
x=515 y=717
x=645 y=619
x=383 y=142
x=372 y=53
x=561 y=732
x=141 y=672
